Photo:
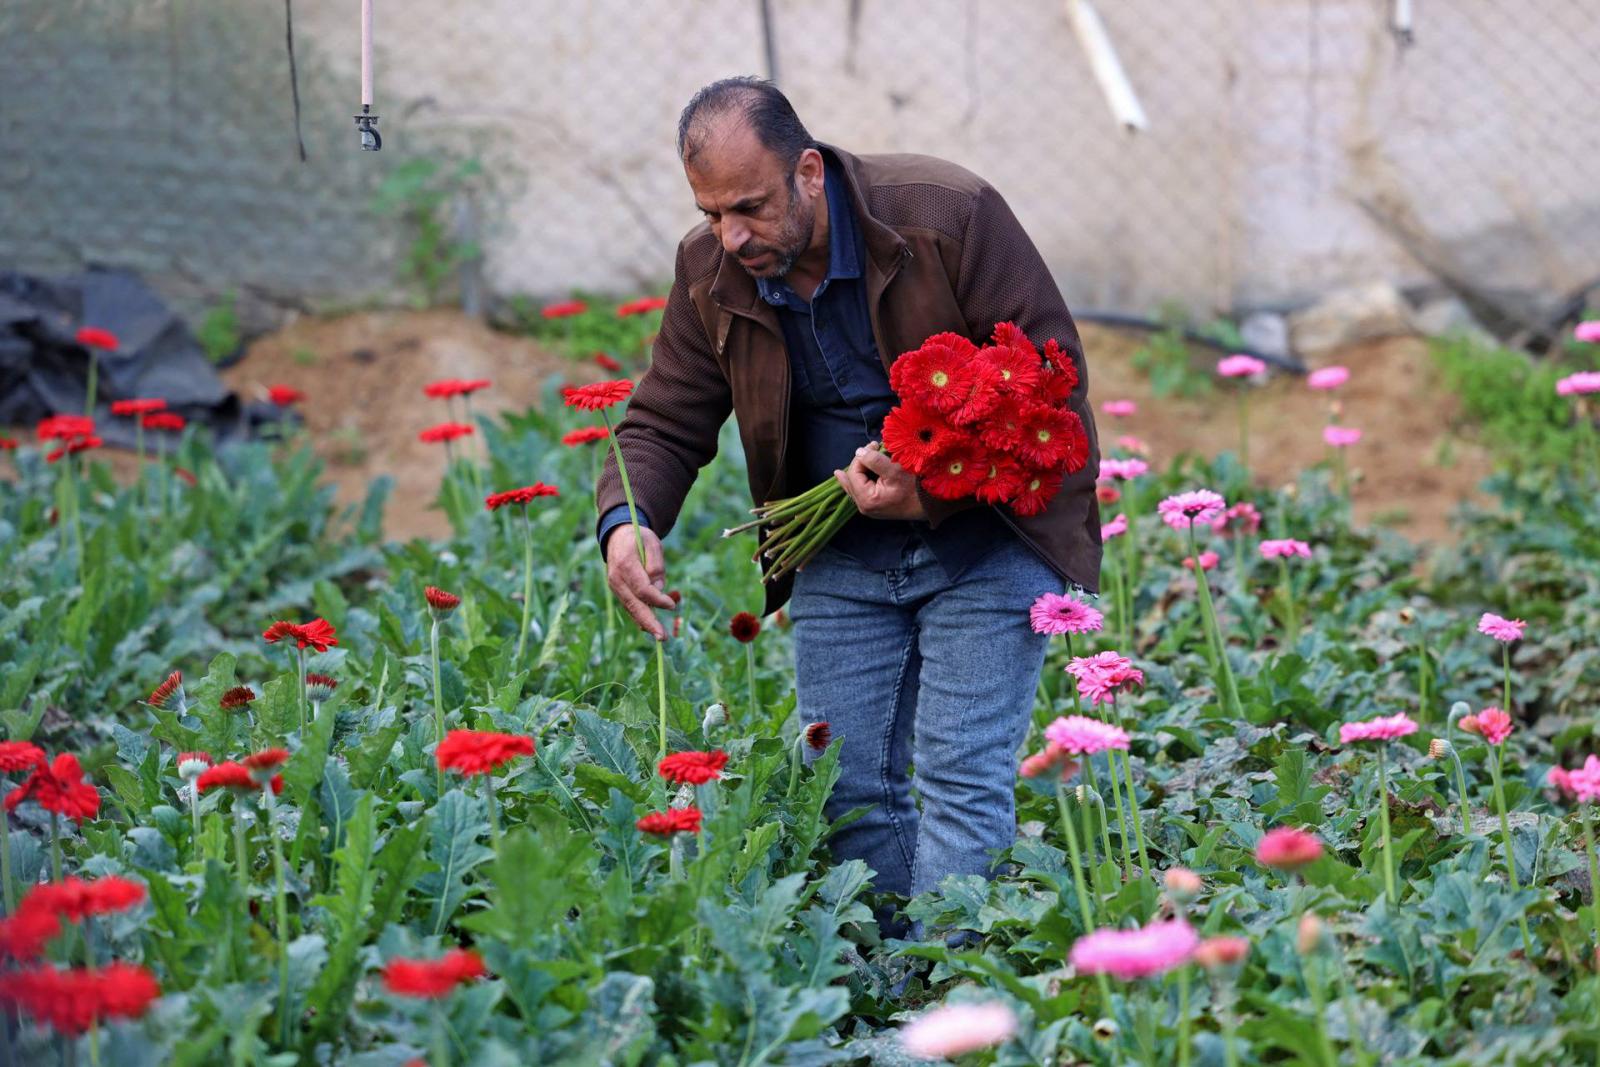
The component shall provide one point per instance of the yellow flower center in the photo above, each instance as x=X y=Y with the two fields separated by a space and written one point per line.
x=1034 y=485
x=1043 y=435
x=1005 y=374
x=956 y=467
x=941 y=379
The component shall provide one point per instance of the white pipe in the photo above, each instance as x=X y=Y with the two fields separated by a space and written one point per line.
x=1106 y=65
x=366 y=53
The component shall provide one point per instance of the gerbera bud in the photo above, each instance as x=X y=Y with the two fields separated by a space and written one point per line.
x=1217 y=952
x=1107 y=494
x=192 y=765
x=1469 y=724
x=1106 y=1030
x=1407 y=616
x=441 y=602
x=715 y=718
x=1183 y=884
x=818 y=734
x=163 y=692
x=744 y=627
x=319 y=687
x=1438 y=748
x=240 y=696
x=265 y=764
x=1309 y=937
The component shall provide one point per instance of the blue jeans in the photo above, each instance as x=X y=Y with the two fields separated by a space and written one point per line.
x=907 y=666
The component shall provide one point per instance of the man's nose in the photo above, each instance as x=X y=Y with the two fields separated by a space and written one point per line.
x=734 y=237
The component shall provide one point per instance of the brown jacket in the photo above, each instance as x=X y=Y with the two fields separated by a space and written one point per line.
x=944 y=252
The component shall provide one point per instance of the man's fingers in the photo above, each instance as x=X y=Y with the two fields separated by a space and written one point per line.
x=875 y=461
x=640 y=613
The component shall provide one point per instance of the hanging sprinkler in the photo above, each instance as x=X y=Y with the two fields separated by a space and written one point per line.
x=367 y=122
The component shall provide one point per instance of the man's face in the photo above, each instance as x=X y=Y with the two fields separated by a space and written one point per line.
x=763 y=219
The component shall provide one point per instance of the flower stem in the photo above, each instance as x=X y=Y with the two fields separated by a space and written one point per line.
x=5 y=864
x=1230 y=693
x=283 y=916
x=1424 y=679
x=300 y=706
x=1183 y=1015
x=194 y=812
x=1505 y=839
x=1594 y=869
x=1505 y=660
x=750 y=675
x=1383 y=811
x=527 y=586
x=1291 y=623
x=1244 y=428
x=238 y=851
x=1133 y=795
x=441 y=1036
x=438 y=694
x=1085 y=905
x=55 y=845
x=1319 y=1004
x=1105 y=824
x=638 y=543
x=494 y=813
x=1461 y=784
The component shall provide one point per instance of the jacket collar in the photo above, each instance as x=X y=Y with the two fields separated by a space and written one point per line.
x=735 y=290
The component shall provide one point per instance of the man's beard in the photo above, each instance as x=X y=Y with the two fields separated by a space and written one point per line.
x=793 y=240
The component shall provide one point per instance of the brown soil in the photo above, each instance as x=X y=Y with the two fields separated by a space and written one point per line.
x=363 y=375
x=1411 y=469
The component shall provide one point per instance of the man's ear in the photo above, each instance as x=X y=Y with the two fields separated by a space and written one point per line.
x=808 y=171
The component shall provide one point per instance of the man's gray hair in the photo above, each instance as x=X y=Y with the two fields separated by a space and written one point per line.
x=760 y=104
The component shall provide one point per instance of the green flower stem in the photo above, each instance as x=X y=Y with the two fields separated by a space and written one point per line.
x=138 y=447
x=527 y=586
x=1291 y=624
x=1319 y=1003
x=1461 y=785
x=283 y=915
x=1124 y=595
x=1383 y=811
x=1351 y=1021
x=494 y=813
x=1183 y=1015
x=1133 y=794
x=795 y=759
x=194 y=812
x=1230 y=1052
x=300 y=705
x=1344 y=481
x=1225 y=682
x=1105 y=823
x=1244 y=427
x=438 y=694
x=1424 y=680
x=750 y=675
x=55 y=845
x=1085 y=905
x=441 y=1036
x=796 y=556
x=1505 y=660
x=1505 y=839
x=94 y=380
x=638 y=543
x=1122 y=821
x=238 y=850
x=5 y=862
x=1087 y=824
x=1077 y=700
x=1594 y=869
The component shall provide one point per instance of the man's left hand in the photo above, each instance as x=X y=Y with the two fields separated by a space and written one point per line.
x=891 y=495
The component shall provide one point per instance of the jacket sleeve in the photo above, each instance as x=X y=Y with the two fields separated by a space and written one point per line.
x=673 y=417
x=1003 y=278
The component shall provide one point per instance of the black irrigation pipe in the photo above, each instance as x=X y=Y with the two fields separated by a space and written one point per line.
x=1134 y=322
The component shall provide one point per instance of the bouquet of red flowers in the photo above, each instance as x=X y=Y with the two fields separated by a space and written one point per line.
x=990 y=422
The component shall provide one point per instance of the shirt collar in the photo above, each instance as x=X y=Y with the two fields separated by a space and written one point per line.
x=844 y=253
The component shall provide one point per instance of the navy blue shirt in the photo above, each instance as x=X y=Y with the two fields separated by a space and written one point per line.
x=839 y=396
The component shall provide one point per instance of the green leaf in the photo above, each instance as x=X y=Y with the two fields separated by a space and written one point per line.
x=454 y=826
x=606 y=742
x=354 y=878
x=537 y=878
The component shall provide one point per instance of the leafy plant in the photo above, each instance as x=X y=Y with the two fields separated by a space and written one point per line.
x=218 y=332
x=421 y=192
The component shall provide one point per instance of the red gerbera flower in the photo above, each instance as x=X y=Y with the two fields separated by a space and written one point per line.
x=606 y=363
x=65 y=427
x=231 y=775
x=70 y=1001
x=472 y=385
x=1061 y=378
x=75 y=899
x=597 y=395
x=744 y=627
x=58 y=787
x=432 y=978
x=264 y=764
x=1018 y=369
x=318 y=634
x=23 y=936
x=443 y=388
x=983 y=394
x=444 y=431
x=695 y=768
x=480 y=751
x=957 y=470
x=7 y=443
x=440 y=601
x=240 y=696
x=564 y=309
x=913 y=434
x=284 y=395
x=642 y=306
x=19 y=756
x=1047 y=438
x=1002 y=429
x=1003 y=480
x=585 y=435
x=138 y=406
x=1037 y=489
x=164 y=420
x=525 y=495
x=937 y=375
x=672 y=821
x=818 y=734
x=94 y=337
x=77 y=444
x=1010 y=335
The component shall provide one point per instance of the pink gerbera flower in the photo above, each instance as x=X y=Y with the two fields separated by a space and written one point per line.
x=1122 y=469
x=1115 y=528
x=1287 y=848
x=1130 y=954
x=1340 y=436
x=1588 y=332
x=1284 y=549
x=1182 y=510
x=1100 y=676
x=1382 y=728
x=1500 y=629
x=956 y=1029
x=1242 y=518
x=1208 y=561
x=1580 y=384
x=1239 y=366
x=1119 y=409
x=1328 y=377
x=1492 y=724
x=1083 y=736
x=1133 y=444
x=1053 y=759
x=1054 y=613
x=1581 y=784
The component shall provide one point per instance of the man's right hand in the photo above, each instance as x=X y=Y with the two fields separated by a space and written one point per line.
x=640 y=588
